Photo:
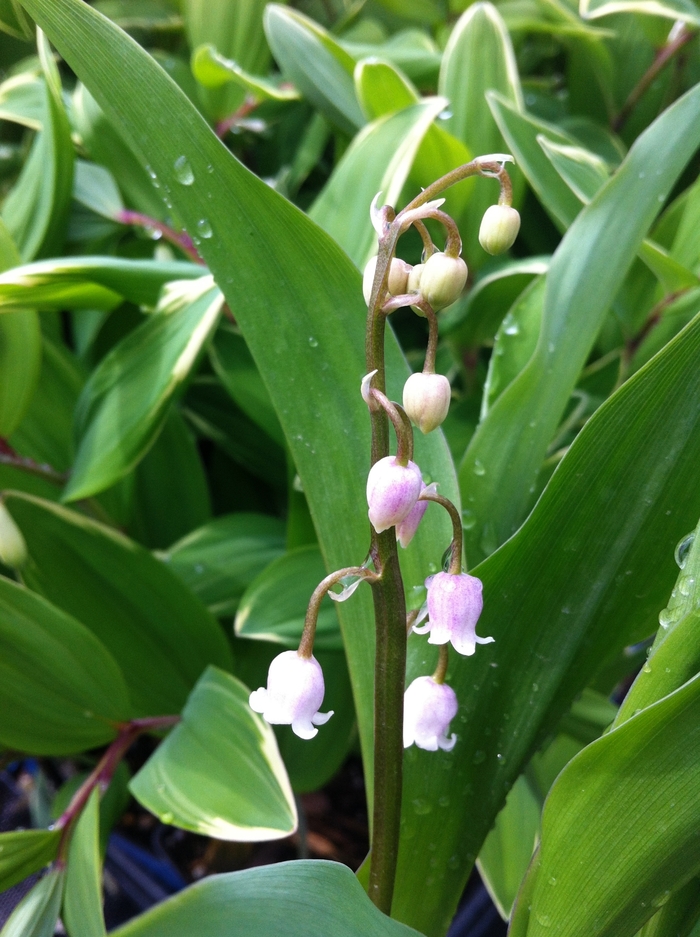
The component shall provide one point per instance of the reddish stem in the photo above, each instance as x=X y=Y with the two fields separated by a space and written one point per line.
x=180 y=239
x=9 y=456
x=248 y=106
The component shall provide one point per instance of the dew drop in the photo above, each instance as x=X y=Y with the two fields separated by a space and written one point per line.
x=453 y=862
x=552 y=880
x=685 y=585
x=683 y=548
x=444 y=802
x=183 y=171
x=167 y=817
x=479 y=757
x=468 y=519
x=551 y=347
x=210 y=168
x=479 y=468
x=661 y=899
x=204 y=228
x=646 y=668
x=421 y=807
x=313 y=342
x=544 y=920
x=512 y=329
x=501 y=758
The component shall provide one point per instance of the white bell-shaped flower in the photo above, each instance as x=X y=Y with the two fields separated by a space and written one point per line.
x=428 y=709
x=293 y=695
x=454 y=606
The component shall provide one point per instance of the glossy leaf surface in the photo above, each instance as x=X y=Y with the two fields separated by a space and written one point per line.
x=25 y=852
x=152 y=624
x=37 y=912
x=219 y=772
x=82 y=897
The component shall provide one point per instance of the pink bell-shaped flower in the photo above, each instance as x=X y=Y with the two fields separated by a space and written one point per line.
x=406 y=528
x=392 y=492
x=428 y=709
x=293 y=694
x=454 y=606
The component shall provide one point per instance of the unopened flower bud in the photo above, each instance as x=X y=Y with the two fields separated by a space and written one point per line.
x=13 y=549
x=293 y=695
x=426 y=399
x=413 y=284
x=454 y=606
x=499 y=228
x=428 y=709
x=392 y=491
x=399 y=272
x=442 y=280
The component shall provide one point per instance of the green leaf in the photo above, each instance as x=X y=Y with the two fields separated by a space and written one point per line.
x=583 y=171
x=604 y=530
x=125 y=403
x=95 y=188
x=23 y=100
x=156 y=630
x=382 y=89
x=478 y=58
x=220 y=560
x=684 y=10
x=678 y=915
x=36 y=209
x=89 y=282
x=298 y=284
x=61 y=689
x=379 y=159
x=14 y=21
x=37 y=912
x=592 y=840
x=507 y=850
x=294 y=898
x=236 y=29
x=219 y=772
x=25 y=852
x=274 y=605
x=213 y=70
x=319 y=67
x=20 y=351
x=585 y=272
x=411 y=50
x=82 y=898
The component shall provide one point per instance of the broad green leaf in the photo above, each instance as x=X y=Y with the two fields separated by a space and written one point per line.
x=585 y=272
x=37 y=912
x=151 y=623
x=678 y=915
x=20 y=351
x=213 y=70
x=219 y=772
x=25 y=852
x=95 y=188
x=379 y=159
x=274 y=604
x=478 y=58
x=125 y=403
x=23 y=100
x=507 y=850
x=411 y=50
x=171 y=494
x=521 y=132
x=82 y=897
x=220 y=560
x=684 y=10
x=604 y=530
x=89 y=282
x=382 y=89
x=14 y=21
x=36 y=209
x=475 y=318
x=235 y=368
x=61 y=689
x=583 y=171
x=593 y=842
x=236 y=29
x=286 y=281
x=319 y=67
x=294 y=898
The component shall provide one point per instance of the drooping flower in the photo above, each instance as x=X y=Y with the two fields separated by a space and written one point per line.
x=454 y=606
x=406 y=528
x=293 y=695
x=392 y=491
x=428 y=709
x=442 y=280
x=426 y=399
x=499 y=228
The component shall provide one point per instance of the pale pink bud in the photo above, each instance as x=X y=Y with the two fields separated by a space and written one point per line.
x=398 y=277
x=405 y=530
x=426 y=399
x=428 y=709
x=454 y=606
x=392 y=491
x=442 y=280
x=499 y=228
x=293 y=695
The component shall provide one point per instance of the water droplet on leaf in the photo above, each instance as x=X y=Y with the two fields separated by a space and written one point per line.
x=183 y=171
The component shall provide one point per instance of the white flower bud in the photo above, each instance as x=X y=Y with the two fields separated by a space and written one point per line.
x=13 y=549
x=293 y=695
x=399 y=272
x=499 y=228
x=426 y=399
x=413 y=285
x=442 y=280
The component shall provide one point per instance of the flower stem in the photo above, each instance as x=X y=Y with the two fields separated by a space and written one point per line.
x=306 y=644
x=400 y=422
x=443 y=661
x=457 y=536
